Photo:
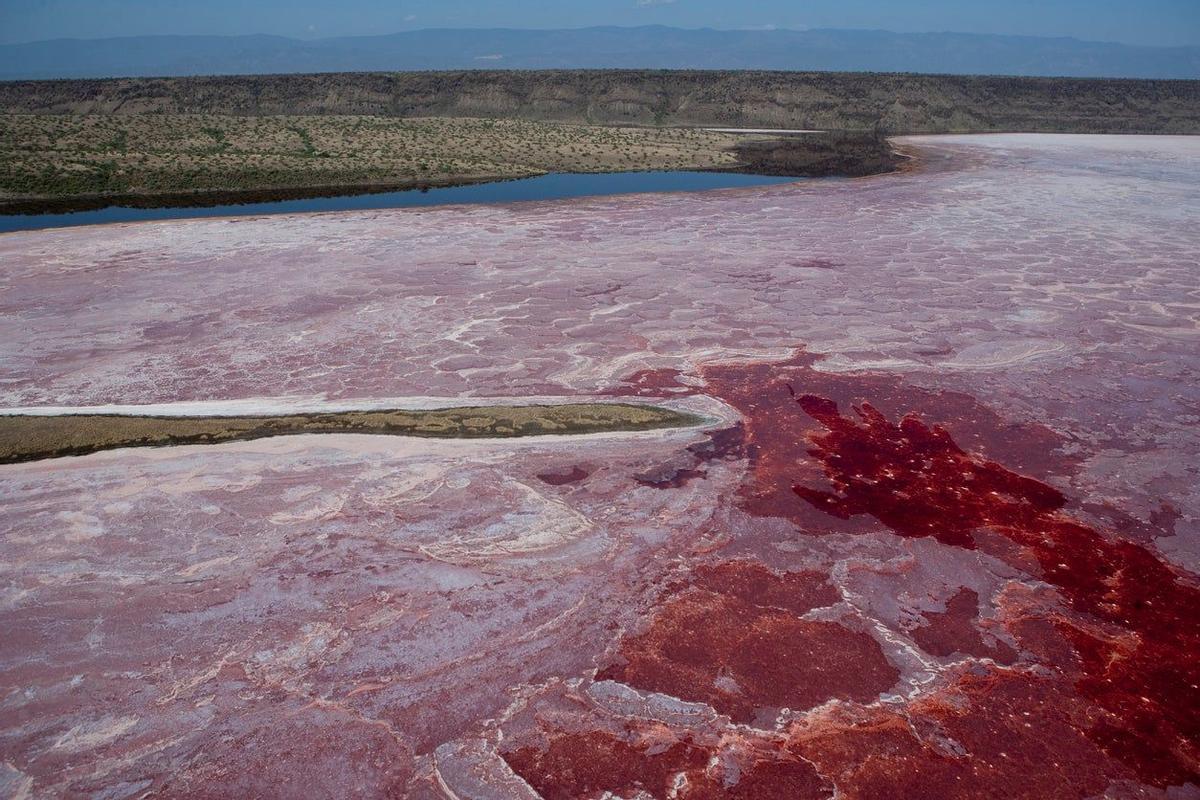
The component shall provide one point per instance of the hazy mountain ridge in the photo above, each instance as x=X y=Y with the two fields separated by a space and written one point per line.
x=650 y=47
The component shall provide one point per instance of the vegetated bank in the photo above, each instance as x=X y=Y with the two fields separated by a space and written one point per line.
x=35 y=437
x=72 y=162
x=63 y=163
x=891 y=103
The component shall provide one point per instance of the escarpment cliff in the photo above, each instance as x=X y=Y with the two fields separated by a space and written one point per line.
x=890 y=103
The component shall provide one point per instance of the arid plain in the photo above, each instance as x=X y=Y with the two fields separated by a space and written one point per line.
x=931 y=529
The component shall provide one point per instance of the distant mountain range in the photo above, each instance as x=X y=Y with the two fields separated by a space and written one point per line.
x=651 y=47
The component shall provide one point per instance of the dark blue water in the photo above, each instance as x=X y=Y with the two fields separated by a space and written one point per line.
x=545 y=187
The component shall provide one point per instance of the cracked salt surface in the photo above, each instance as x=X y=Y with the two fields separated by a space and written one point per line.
x=335 y=615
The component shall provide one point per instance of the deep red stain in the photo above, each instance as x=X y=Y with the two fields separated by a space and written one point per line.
x=781 y=777
x=914 y=478
x=1130 y=618
x=573 y=766
x=585 y=765
x=774 y=437
x=735 y=641
x=798 y=592
x=723 y=445
x=1141 y=667
x=954 y=631
x=996 y=735
x=576 y=474
x=652 y=383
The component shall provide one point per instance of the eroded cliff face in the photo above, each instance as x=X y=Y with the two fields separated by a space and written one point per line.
x=893 y=103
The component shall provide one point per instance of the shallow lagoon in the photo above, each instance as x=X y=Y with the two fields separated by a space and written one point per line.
x=557 y=186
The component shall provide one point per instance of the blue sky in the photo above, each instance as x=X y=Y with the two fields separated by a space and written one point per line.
x=1163 y=22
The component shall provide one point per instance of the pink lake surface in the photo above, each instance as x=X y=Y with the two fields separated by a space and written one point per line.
x=939 y=537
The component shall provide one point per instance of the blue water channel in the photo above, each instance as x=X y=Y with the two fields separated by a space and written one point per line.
x=544 y=187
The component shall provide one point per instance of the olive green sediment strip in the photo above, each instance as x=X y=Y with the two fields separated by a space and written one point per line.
x=30 y=438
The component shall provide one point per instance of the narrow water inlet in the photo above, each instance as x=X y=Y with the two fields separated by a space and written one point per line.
x=71 y=212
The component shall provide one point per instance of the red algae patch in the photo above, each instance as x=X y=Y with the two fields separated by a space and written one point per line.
x=914 y=478
x=643 y=758
x=776 y=439
x=736 y=641
x=993 y=735
x=798 y=592
x=779 y=777
x=588 y=764
x=1128 y=616
x=955 y=631
x=1145 y=674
